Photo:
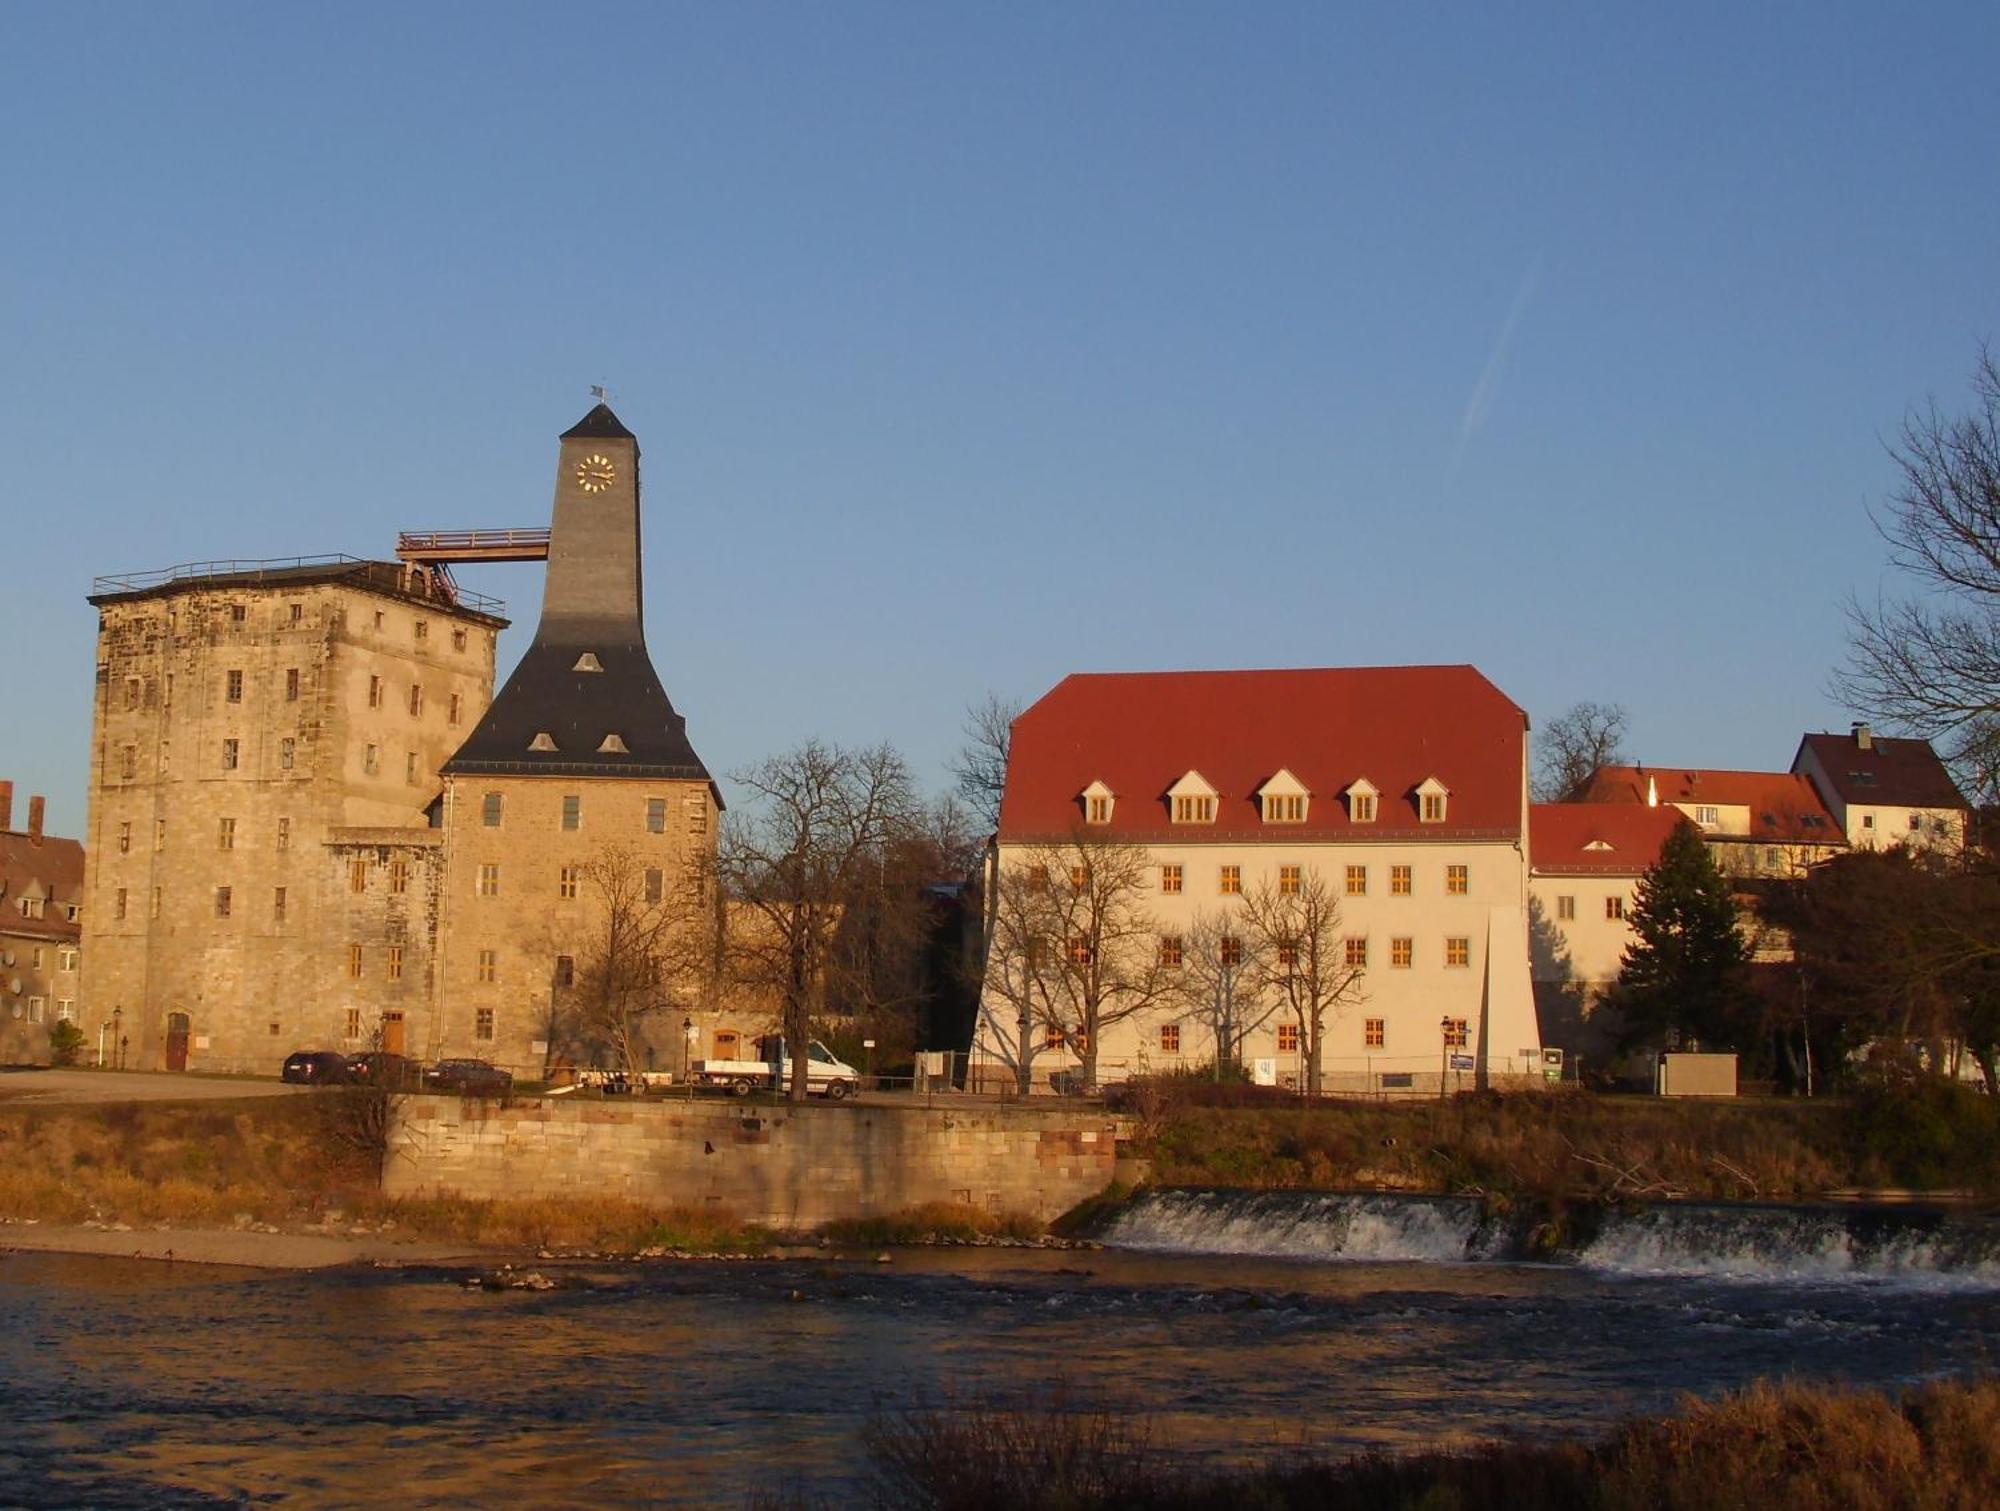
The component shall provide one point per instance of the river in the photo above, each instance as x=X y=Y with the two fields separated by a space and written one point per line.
x=127 y=1383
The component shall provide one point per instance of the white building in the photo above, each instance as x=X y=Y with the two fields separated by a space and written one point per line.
x=1404 y=788
x=1885 y=792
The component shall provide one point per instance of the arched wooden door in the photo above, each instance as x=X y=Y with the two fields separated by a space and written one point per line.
x=177 y=1041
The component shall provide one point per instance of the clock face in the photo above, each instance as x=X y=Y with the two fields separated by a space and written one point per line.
x=595 y=473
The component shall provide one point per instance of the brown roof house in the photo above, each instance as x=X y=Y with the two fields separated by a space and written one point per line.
x=41 y=905
x=1884 y=792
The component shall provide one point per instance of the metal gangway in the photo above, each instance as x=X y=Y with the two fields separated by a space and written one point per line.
x=433 y=553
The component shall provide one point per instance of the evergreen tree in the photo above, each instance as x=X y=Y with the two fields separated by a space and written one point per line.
x=1685 y=971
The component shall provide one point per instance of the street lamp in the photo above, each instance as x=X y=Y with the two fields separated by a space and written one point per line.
x=118 y=1038
x=1445 y=1026
x=687 y=1045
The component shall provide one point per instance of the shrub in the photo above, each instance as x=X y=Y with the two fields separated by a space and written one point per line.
x=1927 y=1132
x=65 y=1043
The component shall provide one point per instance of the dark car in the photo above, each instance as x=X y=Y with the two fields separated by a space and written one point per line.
x=381 y=1067
x=314 y=1067
x=471 y=1078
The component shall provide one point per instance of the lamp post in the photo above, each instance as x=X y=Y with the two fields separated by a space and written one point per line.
x=687 y=1051
x=1444 y=1063
x=118 y=1038
x=868 y=1063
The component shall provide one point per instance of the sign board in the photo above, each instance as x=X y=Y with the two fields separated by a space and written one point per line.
x=1264 y=1072
x=1463 y=1062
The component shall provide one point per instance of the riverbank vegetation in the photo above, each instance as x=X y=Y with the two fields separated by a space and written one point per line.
x=1769 y=1448
x=1573 y=1146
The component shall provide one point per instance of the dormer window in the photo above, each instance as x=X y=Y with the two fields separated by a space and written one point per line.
x=1097 y=802
x=543 y=741
x=588 y=662
x=1191 y=800
x=1284 y=798
x=612 y=745
x=1361 y=796
x=1431 y=796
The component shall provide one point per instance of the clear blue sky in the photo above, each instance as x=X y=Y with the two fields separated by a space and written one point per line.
x=970 y=346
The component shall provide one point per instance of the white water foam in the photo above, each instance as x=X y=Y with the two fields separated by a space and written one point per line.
x=1788 y=1246
x=1299 y=1225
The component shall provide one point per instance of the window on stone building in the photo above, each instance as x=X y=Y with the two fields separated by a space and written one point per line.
x=375 y=692
x=565 y=970
x=167 y=696
x=458 y=639
x=287 y=753
x=284 y=834
x=421 y=630
x=1361 y=807
x=1457 y=950
x=410 y=767
x=572 y=811
x=489 y=880
x=354 y=962
x=697 y=813
x=1372 y=1033
x=1400 y=950
x=225 y=834
x=1399 y=881
x=1194 y=810
x=1457 y=881
x=1614 y=907
x=1170 y=878
x=353 y=1023
x=1285 y=808
x=131 y=692
x=222 y=902
x=233 y=686
x=395 y=962
x=35 y=1006
x=128 y=762
x=1288 y=1038
x=1356 y=951
x=488 y=965
x=238 y=613
x=154 y=907
x=357 y=874
x=1097 y=809
x=65 y=1010
x=1456 y=1036
x=482 y=1024
x=66 y=958
x=399 y=877
x=378 y=619
x=1433 y=807
x=1357 y=881
x=567 y=878
x=1230 y=883
x=1170 y=1038
x=1079 y=951
x=298 y=612
x=292 y=685
x=371 y=760
x=1708 y=817
x=276 y=1028
x=159 y=835
x=118 y=903
x=1229 y=950
x=656 y=884
x=1565 y=907
x=1290 y=879
x=656 y=815
x=124 y=838
x=278 y=904
x=452 y=708
x=1171 y=952
x=416 y=700
x=489 y=810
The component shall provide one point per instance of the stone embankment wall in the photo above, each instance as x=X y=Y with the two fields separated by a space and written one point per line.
x=788 y=1167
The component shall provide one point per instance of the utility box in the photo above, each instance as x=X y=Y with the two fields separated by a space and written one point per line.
x=1690 y=1075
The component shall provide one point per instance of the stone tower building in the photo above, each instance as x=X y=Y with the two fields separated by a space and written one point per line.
x=580 y=765
x=263 y=871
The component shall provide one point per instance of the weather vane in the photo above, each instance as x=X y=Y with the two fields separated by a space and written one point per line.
x=597 y=393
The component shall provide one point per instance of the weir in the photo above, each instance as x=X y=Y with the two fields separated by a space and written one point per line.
x=1712 y=1240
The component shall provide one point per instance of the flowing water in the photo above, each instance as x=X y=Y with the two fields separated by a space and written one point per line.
x=1238 y=1325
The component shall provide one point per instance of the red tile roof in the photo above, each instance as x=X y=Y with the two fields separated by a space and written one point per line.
x=51 y=868
x=1891 y=773
x=1140 y=732
x=1784 y=808
x=1571 y=839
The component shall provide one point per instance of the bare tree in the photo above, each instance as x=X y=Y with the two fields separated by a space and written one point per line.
x=1223 y=981
x=649 y=950
x=1303 y=959
x=980 y=767
x=1930 y=663
x=1074 y=950
x=815 y=843
x=1572 y=745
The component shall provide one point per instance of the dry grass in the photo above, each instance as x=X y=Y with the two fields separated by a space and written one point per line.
x=1769 y=1448
x=934 y=1222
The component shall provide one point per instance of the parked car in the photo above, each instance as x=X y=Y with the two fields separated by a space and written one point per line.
x=471 y=1078
x=314 y=1067
x=381 y=1067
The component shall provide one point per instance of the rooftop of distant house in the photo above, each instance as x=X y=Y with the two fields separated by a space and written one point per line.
x=1784 y=807
x=1868 y=770
x=41 y=876
x=1598 y=839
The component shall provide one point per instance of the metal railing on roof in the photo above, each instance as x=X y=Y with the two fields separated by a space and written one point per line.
x=278 y=569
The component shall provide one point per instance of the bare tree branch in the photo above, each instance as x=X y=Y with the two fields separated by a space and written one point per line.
x=1573 y=745
x=980 y=768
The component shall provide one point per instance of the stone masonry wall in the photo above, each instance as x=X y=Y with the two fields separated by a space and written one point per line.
x=788 y=1167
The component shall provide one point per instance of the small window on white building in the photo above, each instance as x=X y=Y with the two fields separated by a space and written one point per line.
x=1097 y=803
x=1284 y=799
x=1361 y=796
x=1707 y=816
x=612 y=745
x=1191 y=800
x=588 y=662
x=1432 y=796
x=543 y=741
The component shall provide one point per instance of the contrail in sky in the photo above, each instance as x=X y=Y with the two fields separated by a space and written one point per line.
x=1489 y=376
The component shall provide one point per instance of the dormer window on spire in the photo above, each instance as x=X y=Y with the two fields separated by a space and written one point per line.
x=1097 y=803
x=1284 y=799
x=1191 y=800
